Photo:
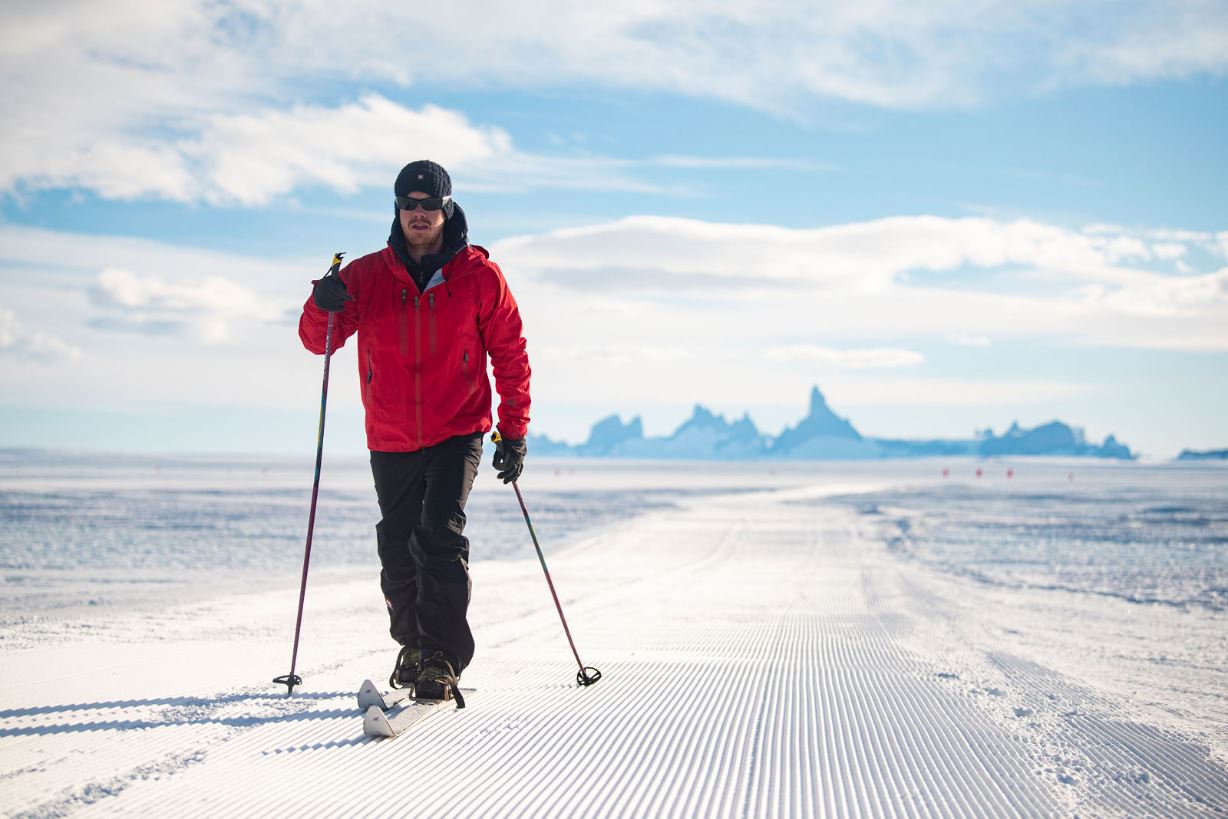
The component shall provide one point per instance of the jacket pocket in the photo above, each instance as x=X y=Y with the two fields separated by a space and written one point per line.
x=469 y=369
x=366 y=387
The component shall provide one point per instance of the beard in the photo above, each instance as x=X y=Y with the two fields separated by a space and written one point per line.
x=423 y=240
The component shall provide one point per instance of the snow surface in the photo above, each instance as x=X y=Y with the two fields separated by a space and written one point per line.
x=768 y=649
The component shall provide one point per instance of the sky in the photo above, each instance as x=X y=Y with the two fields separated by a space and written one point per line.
x=948 y=216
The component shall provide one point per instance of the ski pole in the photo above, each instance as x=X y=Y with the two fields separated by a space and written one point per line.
x=587 y=675
x=290 y=680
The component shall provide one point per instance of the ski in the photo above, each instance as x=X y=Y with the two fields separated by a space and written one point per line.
x=379 y=724
x=369 y=695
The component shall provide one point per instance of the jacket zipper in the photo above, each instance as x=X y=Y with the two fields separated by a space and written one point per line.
x=418 y=369
x=404 y=331
x=430 y=300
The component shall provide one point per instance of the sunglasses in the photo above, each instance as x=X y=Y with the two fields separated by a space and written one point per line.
x=430 y=203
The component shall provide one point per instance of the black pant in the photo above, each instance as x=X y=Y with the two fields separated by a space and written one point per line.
x=425 y=556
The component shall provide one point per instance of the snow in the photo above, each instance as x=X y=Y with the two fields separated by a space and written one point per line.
x=766 y=651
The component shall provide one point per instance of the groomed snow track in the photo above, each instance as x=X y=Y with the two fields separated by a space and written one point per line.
x=760 y=658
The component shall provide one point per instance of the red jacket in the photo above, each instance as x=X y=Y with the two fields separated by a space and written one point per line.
x=422 y=355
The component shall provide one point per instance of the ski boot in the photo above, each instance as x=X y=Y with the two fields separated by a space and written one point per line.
x=409 y=664
x=438 y=681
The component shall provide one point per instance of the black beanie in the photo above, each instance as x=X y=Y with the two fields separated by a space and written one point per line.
x=423 y=176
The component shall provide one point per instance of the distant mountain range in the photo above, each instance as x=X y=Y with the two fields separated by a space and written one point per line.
x=821 y=435
x=1205 y=455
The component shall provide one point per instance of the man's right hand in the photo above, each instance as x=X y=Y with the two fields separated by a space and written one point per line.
x=330 y=293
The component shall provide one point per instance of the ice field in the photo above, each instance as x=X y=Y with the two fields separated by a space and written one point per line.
x=776 y=640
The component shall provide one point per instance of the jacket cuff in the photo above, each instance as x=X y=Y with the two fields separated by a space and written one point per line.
x=512 y=431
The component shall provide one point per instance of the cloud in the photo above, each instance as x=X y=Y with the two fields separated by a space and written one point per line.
x=251 y=158
x=866 y=281
x=37 y=346
x=969 y=341
x=32 y=245
x=168 y=324
x=1169 y=251
x=952 y=392
x=608 y=355
x=892 y=53
x=666 y=341
x=645 y=279
x=1201 y=237
x=865 y=256
x=1171 y=296
x=205 y=100
x=854 y=359
x=207 y=308
x=738 y=163
x=1150 y=41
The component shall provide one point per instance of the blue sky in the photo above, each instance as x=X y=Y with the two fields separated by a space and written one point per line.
x=947 y=217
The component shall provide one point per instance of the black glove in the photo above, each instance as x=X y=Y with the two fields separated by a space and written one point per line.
x=509 y=458
x=330 y=293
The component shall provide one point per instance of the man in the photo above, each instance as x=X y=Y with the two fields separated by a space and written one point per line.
x=428 y=310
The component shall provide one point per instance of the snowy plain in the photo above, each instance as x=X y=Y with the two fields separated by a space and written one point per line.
x=776 y=640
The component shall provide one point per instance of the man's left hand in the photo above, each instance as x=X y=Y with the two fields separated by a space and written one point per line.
x=509 y=458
